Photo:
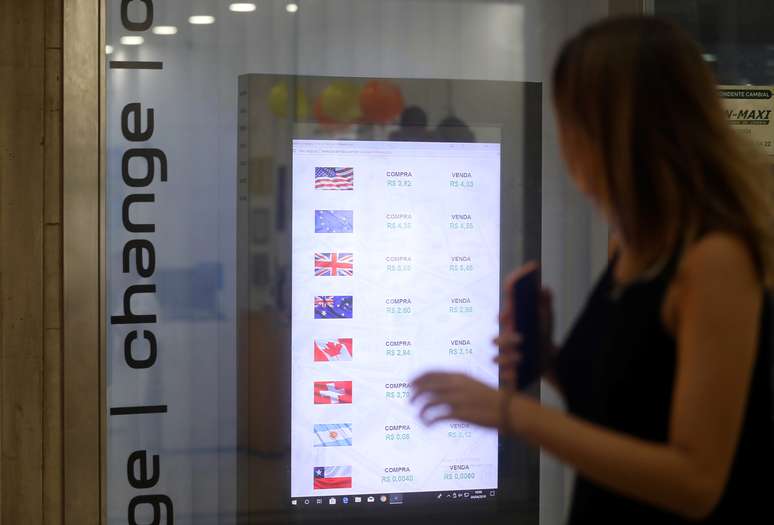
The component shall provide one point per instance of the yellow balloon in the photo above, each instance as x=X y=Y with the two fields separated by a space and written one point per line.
x=341 y=101
x=278 y=101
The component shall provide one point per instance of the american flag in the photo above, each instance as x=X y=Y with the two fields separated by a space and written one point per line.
x=334 y=178
x=333 y=264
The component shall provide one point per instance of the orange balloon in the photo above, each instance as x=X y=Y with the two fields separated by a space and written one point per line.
x=381 y=101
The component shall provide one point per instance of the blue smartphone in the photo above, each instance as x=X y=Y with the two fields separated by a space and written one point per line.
x=526 y=303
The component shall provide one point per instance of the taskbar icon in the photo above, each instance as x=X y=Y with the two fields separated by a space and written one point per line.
x=345 y=500
x=468 y=495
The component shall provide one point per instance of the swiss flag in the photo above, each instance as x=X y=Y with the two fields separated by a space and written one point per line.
x=332 y=392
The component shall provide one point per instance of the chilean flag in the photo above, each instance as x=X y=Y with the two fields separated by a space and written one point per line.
x=332 y=478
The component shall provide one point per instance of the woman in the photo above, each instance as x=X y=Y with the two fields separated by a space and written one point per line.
x=666 y=372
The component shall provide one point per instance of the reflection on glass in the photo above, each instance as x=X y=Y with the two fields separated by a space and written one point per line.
x=132 y=40
x=165 y=30
x=201 y=19
x=242 y=7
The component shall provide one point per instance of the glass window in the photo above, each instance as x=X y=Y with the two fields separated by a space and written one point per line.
x=307 y=204
x=739 y=46
x=736 y=38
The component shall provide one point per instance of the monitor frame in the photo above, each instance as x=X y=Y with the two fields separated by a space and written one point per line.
x=263 y=135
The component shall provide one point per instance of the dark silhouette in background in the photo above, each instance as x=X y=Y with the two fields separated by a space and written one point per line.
x=453 y=129
x=413 y=126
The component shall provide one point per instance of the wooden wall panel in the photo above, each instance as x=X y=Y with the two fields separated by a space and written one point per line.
x=81 y=384
x=22 y=149
x=53 y=468
x=31 y=262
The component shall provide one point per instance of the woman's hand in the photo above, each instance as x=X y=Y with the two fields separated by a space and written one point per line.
x=508 y=357
x=447 y=396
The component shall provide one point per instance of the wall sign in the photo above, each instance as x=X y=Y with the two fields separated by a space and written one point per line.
x=749 y=111
x=136 y=320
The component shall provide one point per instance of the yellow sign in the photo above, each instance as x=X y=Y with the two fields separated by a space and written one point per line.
x=750 y=111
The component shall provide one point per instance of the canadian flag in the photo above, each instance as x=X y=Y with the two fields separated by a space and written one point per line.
x=333 y=349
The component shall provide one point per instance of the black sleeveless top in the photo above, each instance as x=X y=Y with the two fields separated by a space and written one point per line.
x=617 y=369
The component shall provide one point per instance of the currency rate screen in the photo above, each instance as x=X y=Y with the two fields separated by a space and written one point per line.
x=395 y=271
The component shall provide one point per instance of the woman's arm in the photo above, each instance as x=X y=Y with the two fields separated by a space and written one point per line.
x=508 y=358
x=716 y=303
x=656 y=473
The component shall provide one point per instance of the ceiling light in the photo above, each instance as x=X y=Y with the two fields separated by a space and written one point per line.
x=291 y=8
x=199 y=20
x=108 y=49
x=242 y=7
x=132 y=40
x=165 y=30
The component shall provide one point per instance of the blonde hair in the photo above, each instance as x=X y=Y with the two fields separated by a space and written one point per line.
x=672 y=169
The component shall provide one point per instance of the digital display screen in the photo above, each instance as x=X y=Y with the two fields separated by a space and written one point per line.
x=395 y=272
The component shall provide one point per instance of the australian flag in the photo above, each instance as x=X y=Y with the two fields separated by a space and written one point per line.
x=333 y=221
x=334 y=178
x=333 y=307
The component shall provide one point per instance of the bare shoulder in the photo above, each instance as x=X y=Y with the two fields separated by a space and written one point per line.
x=716 y=272
x=721 y=258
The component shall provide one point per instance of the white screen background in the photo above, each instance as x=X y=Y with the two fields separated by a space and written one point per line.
x=442 y=457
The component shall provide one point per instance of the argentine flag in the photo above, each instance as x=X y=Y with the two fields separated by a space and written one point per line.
x=333 y=435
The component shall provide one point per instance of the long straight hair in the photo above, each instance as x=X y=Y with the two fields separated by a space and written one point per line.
x=638 y=91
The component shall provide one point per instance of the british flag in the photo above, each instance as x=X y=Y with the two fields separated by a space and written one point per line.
x=334 y=178
x=333 y=264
